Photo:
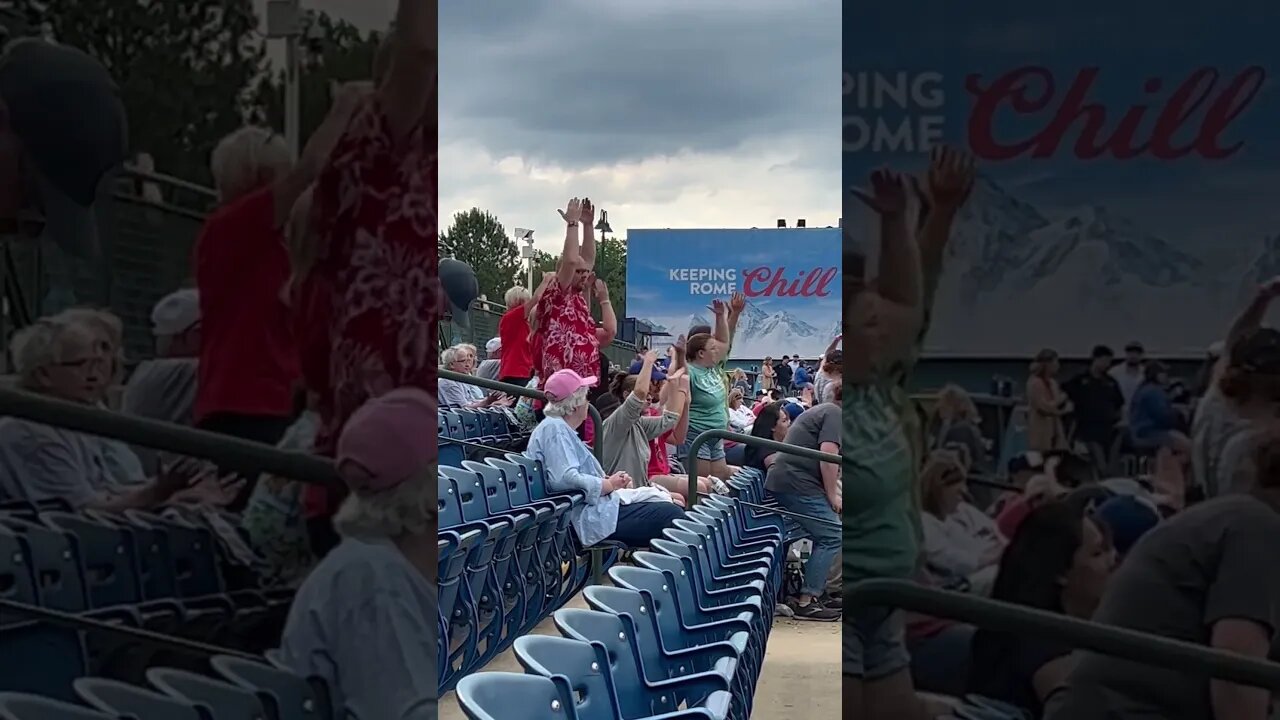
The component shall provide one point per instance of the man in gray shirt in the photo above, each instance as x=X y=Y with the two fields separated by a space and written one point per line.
x=1208 y=576
x=812 y=489
x=164 y=389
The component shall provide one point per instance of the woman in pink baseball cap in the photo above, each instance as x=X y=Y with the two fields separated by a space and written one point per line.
x=374 y=596
x=570 y=465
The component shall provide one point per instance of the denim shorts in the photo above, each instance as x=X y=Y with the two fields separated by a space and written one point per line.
x=710 y=451
x=874 y=643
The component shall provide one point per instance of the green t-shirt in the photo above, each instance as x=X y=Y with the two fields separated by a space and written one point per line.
x=880 y=519
x=708 y=403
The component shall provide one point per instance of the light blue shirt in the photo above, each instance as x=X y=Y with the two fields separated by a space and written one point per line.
x=571 y=466
x=453 y=392
x=42 y=462
x=365 y=620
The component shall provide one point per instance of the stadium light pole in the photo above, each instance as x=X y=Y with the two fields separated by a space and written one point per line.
x=285 y=21
x=527 y=253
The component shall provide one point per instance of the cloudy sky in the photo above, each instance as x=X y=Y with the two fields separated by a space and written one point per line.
x=666 y=113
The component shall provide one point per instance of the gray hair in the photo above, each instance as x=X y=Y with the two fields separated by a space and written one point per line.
x=566 y=407
x=452 y=354
x=244 y=159
x=517 y=295
x=44 y=344
x=409 y=508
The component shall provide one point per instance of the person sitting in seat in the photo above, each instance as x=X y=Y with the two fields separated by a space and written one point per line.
x=630 y=434
x=373 y=597
x=631 y=518
x=63 y=360
x=164 y=388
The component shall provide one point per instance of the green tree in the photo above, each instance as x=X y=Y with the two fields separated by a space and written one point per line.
x=611 y=266
x=182 y=67
x=340 y=53
x=479 y=240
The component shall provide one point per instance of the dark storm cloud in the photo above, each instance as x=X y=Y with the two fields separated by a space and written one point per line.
x=579 y=83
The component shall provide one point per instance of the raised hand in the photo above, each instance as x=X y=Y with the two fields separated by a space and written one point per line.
x=737 y=303
x=650 y=357
x=588 y=213
x=718 y=307
x=572 y=212
x=950 y=177
x=601 y=290
x=888 y=194
x=680 y=343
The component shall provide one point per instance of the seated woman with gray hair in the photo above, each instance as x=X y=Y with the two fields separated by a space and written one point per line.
x=461 y=359
x=373 y=598
x=64 y=360
x=632 y=518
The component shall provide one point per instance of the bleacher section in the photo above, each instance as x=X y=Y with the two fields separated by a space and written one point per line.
x=148 y=572
x=682 y=631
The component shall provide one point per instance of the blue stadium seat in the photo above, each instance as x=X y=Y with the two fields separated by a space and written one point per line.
x=616 y=648
x=119 y=699
x=221 y=700
x=17 y=706
x=291 y=697
x=503 y=696
x=605 y=681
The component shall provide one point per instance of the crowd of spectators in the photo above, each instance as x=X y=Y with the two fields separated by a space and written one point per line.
x=1139 y=503
x=311 y=326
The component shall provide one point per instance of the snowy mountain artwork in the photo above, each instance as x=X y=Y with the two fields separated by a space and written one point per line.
x=1126 y=186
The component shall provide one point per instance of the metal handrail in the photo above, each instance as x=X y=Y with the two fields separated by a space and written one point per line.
x=508 y=388
x=1145 y=648
x=231 y=453
x=81 y=623
x=774 y=445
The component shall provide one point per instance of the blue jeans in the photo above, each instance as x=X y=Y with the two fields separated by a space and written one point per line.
x=638 y=523
x=826 y=537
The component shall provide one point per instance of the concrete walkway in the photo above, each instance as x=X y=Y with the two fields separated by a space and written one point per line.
x=801 y=676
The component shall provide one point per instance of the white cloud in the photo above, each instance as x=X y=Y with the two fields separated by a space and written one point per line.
x=712 y=114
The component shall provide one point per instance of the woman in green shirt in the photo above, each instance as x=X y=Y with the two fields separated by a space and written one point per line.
x=885 y=322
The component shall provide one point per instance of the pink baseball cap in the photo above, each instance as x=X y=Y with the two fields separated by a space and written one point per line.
x=391 y=438
x=564 y=383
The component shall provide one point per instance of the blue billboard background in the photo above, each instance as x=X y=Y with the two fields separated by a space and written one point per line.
x=1154 y=224
x=791 y=277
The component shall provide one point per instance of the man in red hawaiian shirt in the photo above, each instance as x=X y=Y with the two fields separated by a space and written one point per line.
x=565 y=335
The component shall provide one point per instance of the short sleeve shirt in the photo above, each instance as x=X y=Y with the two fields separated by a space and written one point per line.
x=881 y=538
x=566 y=337
x=369 y=310
x=802 y=476
x=1213 y=561
x=708 y=405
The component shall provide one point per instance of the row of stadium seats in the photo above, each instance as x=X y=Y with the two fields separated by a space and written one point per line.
x=508 y=558
x=683 y=635
x=237 y=688
x=494 y=427
x=130 y=571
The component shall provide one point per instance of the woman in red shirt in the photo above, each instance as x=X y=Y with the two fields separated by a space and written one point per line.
x=365 y=287
x=513 y=330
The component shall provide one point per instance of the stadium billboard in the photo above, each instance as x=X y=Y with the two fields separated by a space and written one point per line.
x=1126 y=187
x=791 y=277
